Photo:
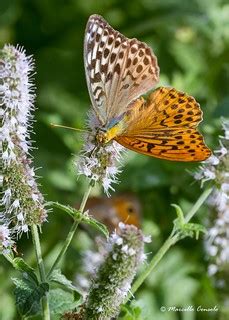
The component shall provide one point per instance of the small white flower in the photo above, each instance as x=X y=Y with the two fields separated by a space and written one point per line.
x=5 y=237
x=212 y=250
x=99 y=309
x=20 y=216
x=143 y=258
x=6 y=197
x=121 y=225
x=16 y=204
x=119 y=241
x=209 y=175
x=114 y=256
x=125 y=248
x=213 y=160
x=147 y=239
x=212 y=269
x=131 y=251
x=25 y=228
x=35 y=197
x=225 y=187
x=106 y=182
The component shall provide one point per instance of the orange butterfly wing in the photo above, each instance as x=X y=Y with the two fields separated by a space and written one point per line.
x=164 y=126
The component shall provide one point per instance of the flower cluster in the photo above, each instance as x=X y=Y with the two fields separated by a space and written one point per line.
x=99 y=162
x=217 y=170
x=114 y=276
x=21 y=201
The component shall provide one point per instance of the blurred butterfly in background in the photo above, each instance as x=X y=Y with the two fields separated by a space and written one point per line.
x=118 y=71
x=124 y=208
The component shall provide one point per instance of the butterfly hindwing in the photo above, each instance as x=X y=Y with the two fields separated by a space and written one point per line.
x=177 y=145
x=118 y=69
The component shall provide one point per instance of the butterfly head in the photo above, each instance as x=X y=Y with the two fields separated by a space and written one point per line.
x=108 y=133
x=102 y=136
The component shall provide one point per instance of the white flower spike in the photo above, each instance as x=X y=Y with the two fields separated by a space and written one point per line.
x=216 y=168
x=21 y=200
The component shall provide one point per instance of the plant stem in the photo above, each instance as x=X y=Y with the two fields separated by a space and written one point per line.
x=71 y=232
x=37 y=246
x=198 y=204
x=172 y=239
x=153 y=263
x=9 y=258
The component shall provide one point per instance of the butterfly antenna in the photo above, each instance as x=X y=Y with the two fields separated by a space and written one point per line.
x=127 y=218
x=66 y=127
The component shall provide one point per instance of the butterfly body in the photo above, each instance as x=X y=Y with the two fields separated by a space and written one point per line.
x=119 y=70
x=103 y=135
x=110 y=131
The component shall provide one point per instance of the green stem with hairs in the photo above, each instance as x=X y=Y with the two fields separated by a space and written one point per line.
x=198 y=204
x=9 y=257
x=71 y=232
x=171 y=240
x=41 y=268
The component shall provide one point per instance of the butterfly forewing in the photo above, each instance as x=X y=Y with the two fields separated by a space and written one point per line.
x=118 y=69
x=165 y=127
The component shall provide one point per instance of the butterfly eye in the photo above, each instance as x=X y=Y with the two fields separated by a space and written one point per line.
x=130 y=210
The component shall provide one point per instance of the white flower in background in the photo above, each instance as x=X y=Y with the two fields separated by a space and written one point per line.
x=21 y=202
x=216 y=168
x=99 y=163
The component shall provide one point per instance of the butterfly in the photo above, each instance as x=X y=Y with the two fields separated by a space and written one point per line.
x=118 y=72
x=124 y=207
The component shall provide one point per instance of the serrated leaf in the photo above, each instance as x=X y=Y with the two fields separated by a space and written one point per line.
x=74 y=213
x=81 y=217
x=28 y=295
x=61 y=301
x=97 y=225
x=58 y=277
x=28 y=272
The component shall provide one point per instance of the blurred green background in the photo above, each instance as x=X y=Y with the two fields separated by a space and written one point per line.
x=191 y=41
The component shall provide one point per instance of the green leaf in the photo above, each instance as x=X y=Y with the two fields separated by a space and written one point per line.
x=61 y=301
x=130 y=312
x=28 y=272
x=179 y=212
x=74 y=213
x=193 y=229
x=81 y=217
x=28 y=295
x=97 y=225
x=58 y=277
x=186 y=229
